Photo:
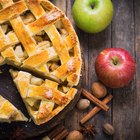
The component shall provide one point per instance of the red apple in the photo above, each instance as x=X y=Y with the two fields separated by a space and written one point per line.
x=115 y=67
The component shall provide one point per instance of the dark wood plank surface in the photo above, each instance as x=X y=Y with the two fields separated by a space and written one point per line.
x=137 y=51
x=124 y=113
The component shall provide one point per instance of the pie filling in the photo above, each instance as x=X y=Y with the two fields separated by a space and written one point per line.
x=37 y=37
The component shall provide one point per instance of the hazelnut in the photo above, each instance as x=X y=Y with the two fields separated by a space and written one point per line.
x=46 y=138
x=108 y=129
x=99 y=90
x=83 y=104
x=75 y=135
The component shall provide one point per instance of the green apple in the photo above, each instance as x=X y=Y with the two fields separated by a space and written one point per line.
x=92 y=16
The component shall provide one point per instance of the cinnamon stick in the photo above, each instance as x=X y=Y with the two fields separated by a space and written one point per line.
x=62 y=135
x=56 y=131
x=95 y=100
x=95 y=110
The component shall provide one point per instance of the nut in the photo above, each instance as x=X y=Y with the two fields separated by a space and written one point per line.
x=75 y=135
x=46 y=138
x=99 y=90
x=83 y=104
x=108 y=129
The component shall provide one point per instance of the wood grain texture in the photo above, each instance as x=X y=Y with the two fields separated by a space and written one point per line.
x=137 y=51
x=124 y=113
x=98 y=42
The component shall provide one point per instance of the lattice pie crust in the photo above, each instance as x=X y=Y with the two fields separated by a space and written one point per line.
x=37 y=37
x=44 y=99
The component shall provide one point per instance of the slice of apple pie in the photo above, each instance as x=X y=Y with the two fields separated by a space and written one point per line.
x=44 y=99
x=8 y=112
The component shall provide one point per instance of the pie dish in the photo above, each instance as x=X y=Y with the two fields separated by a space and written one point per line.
x=44 y=99
x=8 y=112
x=37 y=37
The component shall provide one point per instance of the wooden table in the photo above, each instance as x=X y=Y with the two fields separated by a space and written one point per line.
x=124 y=32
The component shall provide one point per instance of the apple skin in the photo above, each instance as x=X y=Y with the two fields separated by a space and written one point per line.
x=115 y=67
x=92 y=20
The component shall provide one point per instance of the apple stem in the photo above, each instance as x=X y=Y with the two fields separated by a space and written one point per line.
x=92 y=5
x=115 y=61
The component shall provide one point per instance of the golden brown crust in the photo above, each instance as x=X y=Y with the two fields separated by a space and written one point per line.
x=16 y=8
x=58 y=57
x=44 y=21
x=24 y=36
x=47 y=95
x=9 y=112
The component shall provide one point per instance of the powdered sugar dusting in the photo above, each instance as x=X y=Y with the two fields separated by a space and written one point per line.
x=48 y=106
x=70 y=65
x=49 y=93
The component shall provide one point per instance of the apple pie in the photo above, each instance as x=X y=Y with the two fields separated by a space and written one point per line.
x=37 y=37
x=9 y=112
x=44 y=99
